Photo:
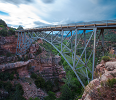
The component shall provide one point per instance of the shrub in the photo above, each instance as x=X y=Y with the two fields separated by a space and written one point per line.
x=8 y=86
x=11 y=31
x=51 y=96
x=34 y=76
x=48 y=86
x=8 y=54
x=66 y=93
x=40 y=82
x=1 y=84
x=11 y=76
x=106 y=58
x=19 y=88
x=36 y=98
x=111 y=82
x=3 y=32
x=4 y=76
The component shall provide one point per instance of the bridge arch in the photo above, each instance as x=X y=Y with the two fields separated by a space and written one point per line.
x=27 y=36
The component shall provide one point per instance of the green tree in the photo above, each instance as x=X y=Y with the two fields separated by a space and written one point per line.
x=51 y=96
x=20 y=27
x=69 y=80
x=40 y=82
x=34 y=76
x=3 y=32
x=66 y=93
x=48 y=85
x=3 y=23
x=8 y=86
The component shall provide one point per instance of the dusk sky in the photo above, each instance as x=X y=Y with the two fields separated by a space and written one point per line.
x=35 y=13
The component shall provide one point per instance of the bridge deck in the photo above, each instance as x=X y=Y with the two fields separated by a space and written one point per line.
x=81 y=26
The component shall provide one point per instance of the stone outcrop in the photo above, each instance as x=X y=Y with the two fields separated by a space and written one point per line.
x=9 y=43
x=98 y=89
x=15 y=65
x=30 y=90
x=7 y=59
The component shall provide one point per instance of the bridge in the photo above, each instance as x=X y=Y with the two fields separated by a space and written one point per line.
x=72 y=41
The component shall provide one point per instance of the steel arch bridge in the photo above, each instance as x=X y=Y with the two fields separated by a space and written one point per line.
x=72 y=41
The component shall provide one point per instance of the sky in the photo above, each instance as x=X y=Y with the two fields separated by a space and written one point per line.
x=36 y=13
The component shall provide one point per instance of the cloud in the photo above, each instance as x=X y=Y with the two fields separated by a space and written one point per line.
x=16 y=2
x=38 y=23
x=52 y=12
x=47 y=1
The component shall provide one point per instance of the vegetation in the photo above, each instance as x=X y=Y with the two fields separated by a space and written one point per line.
x=4 y=31
x=40 y=82
x=51 y=96
x=20 y=27
x=106 y=58
x=2 y=23
x=34 y=76
x=36 y=98
x=111 y=82
x=66 y=93
x=15 y=91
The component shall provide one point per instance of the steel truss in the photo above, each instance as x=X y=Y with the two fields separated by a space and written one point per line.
x=78 y=49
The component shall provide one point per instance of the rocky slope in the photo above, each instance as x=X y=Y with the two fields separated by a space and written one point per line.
x=8 y=43
x=103 y=87
x=37 y=60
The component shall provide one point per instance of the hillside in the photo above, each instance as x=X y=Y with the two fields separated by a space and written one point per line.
x=103 y=87
x=42 y=73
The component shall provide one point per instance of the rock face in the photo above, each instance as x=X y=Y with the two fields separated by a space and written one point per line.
x=14 y=65
x=7 y=59
x=99 y=88
x=30 y=90
x=9 y=43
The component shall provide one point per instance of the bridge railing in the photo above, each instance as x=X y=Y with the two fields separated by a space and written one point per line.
x=73 y=24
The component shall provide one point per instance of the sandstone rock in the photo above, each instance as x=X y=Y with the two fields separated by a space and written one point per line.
x=9 y=43
x=94 y=89
x=110 y=66
x=14 y=65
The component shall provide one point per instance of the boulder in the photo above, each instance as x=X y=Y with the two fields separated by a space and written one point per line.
x=110 y=66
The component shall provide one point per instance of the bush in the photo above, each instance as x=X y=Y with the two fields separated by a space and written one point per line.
x=11 y=31
x=11 y=76
x=3 y=32
x=48 y=86
x=19 y=88
x=8 y=54
x=34 y=76
x=40 y=82
x=8 y=86
x=66 y=93
x=51 y=96
x=4 y=76
x=111 y=82
x=1 y=84
x=106 y=58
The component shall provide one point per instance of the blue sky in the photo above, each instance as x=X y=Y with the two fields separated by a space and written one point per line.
x=35 y=13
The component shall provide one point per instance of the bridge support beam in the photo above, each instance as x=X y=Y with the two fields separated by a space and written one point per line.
x=94 y=50
x=75 y=49
x=102 y=30
x=62 y=32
